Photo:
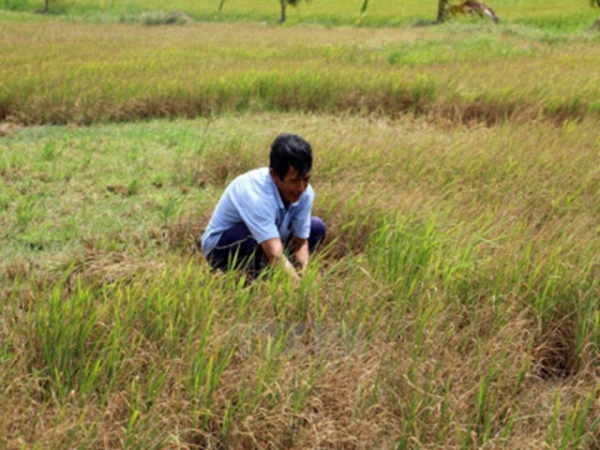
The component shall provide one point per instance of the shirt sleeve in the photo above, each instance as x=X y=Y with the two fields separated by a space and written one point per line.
x=256 y=213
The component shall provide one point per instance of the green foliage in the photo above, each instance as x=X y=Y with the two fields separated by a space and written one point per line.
x=386 y=13
x=363 y=9
x=454 y=304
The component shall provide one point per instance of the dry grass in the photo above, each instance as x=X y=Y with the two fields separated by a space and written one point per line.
x=122 y=72
x=455 y=306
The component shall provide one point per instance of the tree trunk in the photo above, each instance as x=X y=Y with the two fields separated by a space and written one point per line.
x=46 y=6
x=283 y=5
x=441 y=9
x=221 y=6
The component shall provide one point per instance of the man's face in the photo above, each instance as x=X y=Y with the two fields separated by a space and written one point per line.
x=292 y=185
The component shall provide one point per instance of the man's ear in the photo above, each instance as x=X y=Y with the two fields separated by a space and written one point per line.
x=273 y=173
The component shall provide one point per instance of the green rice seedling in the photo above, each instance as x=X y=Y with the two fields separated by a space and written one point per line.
x=169 y=209
x=186 y=327
x=570 y=430
x=133 y=187
x=63 y=329
x=552 y=432
x=49 y=151
x=410 y=424
x=427 y=316
x=311 y=290
x=7 y=347
x=288 y=304
x=176 y=309
x=587 y=345
x=28 y=210
x=5 y=355
x=100 y=372
x=595 y=319
x=545 y=295
x=206 y=373
x=270 y=349
x=140 y=431
x=400 y=254
x=485 y=408
x=463 y=276
x=444 y=408
x=524 y=369
x=5 y=201
x=416 y=402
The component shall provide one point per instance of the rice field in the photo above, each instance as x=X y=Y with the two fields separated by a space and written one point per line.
x=80 y=73
x=455 y=304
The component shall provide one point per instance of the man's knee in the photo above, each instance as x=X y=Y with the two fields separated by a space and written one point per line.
x=234 y=249
x=318 y=230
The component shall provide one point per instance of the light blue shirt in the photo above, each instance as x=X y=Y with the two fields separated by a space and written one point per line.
x=253 y=199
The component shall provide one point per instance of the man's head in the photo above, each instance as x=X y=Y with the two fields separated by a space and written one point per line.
x=290 y=162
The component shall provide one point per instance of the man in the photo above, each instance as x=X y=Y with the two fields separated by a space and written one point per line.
x=266 y=213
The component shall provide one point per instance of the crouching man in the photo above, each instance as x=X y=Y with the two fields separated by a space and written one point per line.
x=264 y=216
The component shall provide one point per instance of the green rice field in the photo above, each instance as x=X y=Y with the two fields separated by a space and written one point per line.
x=455 y=303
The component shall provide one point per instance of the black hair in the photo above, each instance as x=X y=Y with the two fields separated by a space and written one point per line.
x=290 y=150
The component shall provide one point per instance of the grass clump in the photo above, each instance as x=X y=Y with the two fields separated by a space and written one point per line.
x=175 y=18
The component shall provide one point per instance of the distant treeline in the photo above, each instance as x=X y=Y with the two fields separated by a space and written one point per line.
x=446 y=9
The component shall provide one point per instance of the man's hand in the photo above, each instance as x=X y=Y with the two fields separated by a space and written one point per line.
x=300 y=253
x=273 y=249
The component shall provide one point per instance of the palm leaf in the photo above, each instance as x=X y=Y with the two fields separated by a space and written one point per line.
x=363 y=9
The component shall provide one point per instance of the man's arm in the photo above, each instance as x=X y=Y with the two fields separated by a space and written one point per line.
x=273 y=249
x=300 y=252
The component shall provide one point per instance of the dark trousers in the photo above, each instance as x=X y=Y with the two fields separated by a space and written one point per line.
x=237 y=248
